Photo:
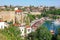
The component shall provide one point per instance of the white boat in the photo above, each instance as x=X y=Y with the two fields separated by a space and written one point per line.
x=57 y=22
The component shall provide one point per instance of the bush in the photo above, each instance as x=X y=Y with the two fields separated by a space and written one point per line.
x=12 y=33
x=58 y=37
x=2 y=37
x=41 y=33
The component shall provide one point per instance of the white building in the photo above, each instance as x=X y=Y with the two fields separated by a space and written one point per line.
x=22 y=29
x=25 y=30
x=28 y=30
x=3 y=24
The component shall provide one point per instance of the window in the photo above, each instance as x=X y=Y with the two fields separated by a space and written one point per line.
x=22 y=29
x=28 y=30
x=1 y=27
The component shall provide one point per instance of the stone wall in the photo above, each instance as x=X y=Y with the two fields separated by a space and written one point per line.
x=10 y=16
x=7 y=16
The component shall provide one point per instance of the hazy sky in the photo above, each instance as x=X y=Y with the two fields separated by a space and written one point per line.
x=31 y=2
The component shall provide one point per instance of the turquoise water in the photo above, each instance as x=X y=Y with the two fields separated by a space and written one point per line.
x=51 y=26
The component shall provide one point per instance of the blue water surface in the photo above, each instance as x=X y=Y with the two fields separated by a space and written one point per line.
x=51 y=26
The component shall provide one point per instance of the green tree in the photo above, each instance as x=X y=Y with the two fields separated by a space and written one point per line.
x=55 y=17
x=27 y=21
x=5 y=6
x=58 y=36
x=51 y=13
x=2 y=37
x=41 y=33
x=31 y=17
x=23 y=9
x=38 y=16
x=12 y=33
x=31 y=8
x=58 y=31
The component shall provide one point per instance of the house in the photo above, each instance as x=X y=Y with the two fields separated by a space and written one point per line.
x=25 y=30
x=28 y=29
x=22 y=29
x=2 y=8
x=3 y=24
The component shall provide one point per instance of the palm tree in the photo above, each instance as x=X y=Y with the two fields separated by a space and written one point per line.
x=27 y=20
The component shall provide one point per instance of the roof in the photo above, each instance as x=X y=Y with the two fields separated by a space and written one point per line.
x=18 y=11
x=1 y=20
x=27 y=26
x=16 y=24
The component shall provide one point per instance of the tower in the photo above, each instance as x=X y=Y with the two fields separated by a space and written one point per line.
x=18 y=16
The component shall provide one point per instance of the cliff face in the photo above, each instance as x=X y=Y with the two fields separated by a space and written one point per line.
x=10 y=16
x=7 y=16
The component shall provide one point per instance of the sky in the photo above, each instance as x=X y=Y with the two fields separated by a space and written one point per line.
x=30 y=2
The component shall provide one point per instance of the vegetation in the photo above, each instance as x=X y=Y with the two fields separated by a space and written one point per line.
x=27 y=21
x=54 y=12
x=38 y=16
x=41 y=33
x=51 y=13
x=31 y=17
x=59 y=31
x=2 y=37
x=58 y=36
x=11 y=33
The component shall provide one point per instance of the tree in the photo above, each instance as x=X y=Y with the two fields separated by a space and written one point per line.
x=55 y=17
x=23 y=9
x=44 y=14
x=41 y=33
x=38 y=16
x=31 y=8
x=5 y=6
x=31 y=17
x=58 y=31
x=51 y=13
x=2 y=37
x=27 y=21
x=12 y=33
x=58 y=36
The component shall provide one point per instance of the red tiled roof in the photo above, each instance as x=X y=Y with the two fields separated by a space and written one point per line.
x=27 y=26
x=18 y=11
x=16 y=24
x=1 y=20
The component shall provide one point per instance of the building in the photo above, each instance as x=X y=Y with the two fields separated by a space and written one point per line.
x=2 y=8
x=3 y=24
x=28 y=29
x=25 y=30
x=22 y=29
x=19 y=16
